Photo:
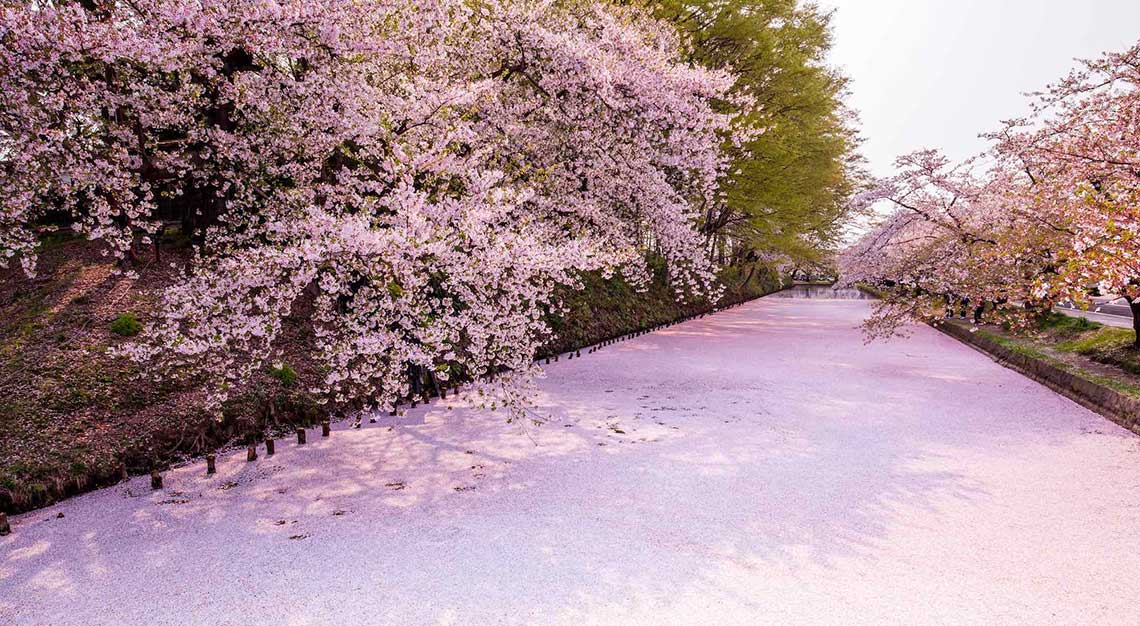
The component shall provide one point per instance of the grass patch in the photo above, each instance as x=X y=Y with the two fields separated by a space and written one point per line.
x=1067 y=324
x=1107 y=345
x=1020 y=347
x=1122 y=386
x=127 y=325
x=606 y=308
x=1028 y=348
x=1100 y=341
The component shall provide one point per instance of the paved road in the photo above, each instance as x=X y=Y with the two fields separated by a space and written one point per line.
x=1107 y=313
x=762 y=466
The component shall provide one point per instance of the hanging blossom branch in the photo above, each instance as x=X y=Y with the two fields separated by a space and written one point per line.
x=1053 y=216
x=427 y=173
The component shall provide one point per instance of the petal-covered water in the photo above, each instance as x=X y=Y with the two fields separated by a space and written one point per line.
x=758 y=466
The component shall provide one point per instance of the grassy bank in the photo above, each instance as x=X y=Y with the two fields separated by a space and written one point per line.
x=73 y=418
x=1098 y=353
x=1102 y=355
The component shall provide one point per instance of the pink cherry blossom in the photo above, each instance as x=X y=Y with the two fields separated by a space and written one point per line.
x=419 y=175
x=1049 y=213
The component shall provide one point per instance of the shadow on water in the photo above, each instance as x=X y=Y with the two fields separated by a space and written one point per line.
x=745 y=464
x=822 y=292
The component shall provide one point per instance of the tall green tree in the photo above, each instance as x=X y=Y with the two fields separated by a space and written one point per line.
x=787 y=192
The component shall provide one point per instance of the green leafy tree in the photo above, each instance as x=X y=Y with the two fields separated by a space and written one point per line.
x=789 y=187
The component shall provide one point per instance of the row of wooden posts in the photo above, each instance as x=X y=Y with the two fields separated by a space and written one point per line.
x=251 y=453
x=326 y=426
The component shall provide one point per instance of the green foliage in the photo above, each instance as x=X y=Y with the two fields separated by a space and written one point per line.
x=788 y=191
x=1100 y=343
x=284 y=373
x=1016 y=345
x=1105 y=339
x=1067 y=323
x=127 y=325
x=1111 y=346
x=1037 y=351
x=177 y=238
x=47 y=241
x=1061 y=337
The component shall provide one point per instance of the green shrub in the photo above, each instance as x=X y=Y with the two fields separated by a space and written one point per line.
x=1086 y=324
x=284 y=373
x=127 y=325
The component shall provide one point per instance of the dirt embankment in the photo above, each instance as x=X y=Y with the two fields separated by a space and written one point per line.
x=72 y=417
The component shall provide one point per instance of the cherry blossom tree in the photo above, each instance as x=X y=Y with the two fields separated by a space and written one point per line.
x=1080 y=152
x=1051 y=215
x=425 y=173
x=942 y=247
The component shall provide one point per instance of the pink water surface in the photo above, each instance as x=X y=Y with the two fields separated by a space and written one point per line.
x=761 y=466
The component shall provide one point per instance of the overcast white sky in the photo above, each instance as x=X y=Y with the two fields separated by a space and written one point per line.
x=936 y=73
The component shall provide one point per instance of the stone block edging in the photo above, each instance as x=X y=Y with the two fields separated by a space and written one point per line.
x=1116 y=406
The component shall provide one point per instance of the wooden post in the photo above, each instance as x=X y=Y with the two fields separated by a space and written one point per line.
x=300 y=436
x=5 y=528
x=578 y=353
x=268 y=446
x=211 y=466
x=155 y=480
x=325 y=428
x=251 y=453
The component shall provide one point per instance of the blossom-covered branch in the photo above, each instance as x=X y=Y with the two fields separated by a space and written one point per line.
x=1052 y=217
x=425 y=173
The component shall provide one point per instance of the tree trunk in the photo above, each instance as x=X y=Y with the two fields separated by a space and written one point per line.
x=751 y=273
x=1134 y=305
